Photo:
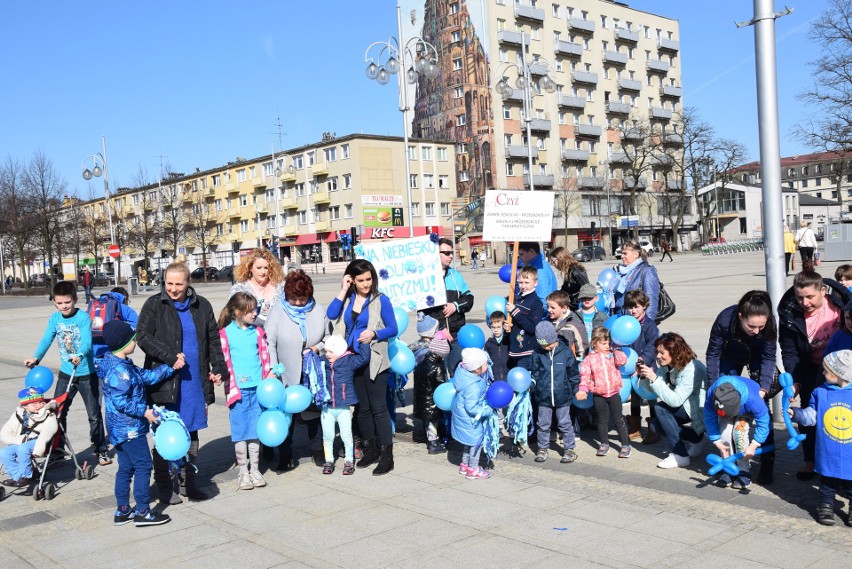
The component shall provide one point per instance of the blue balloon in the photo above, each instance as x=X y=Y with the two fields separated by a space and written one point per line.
x=273 y=426
x=610 y=321
x=519 y=379
x=494 y=304
x=607 y=279
x=444 y=395
x=171 y=440
x=786 y=381
x=499 y=394
x=626 y=330
x=641 y=391
x=297 y=398
x=630 y=367
x=402 y=362
x=601 y=304
x=471 y=336
x=506 y=273
x=401 y=319
x=40 y=377
x=393 y=347
x=625 y=390
x=588 y=403
x=270 y=393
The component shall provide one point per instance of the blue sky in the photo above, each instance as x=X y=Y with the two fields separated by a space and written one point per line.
x=201 y=83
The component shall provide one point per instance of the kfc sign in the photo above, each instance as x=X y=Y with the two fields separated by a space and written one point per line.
x=382 y=233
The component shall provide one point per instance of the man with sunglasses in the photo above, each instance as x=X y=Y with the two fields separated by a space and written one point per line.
x=459 y=297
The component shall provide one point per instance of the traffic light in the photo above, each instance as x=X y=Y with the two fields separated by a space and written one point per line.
x=353 y=231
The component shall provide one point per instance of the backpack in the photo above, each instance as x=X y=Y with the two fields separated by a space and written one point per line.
x=101 y=310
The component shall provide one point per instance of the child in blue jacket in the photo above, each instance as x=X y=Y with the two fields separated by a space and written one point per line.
x=127 y=419
x=830 y=409
x=340 y=366
x=470 y=408
x=729 y=400
x=526 y=311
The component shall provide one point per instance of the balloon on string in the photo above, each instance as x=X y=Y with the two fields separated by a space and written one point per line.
x=587 y=403
x=40 y=377
x=171 y=440
x=610 y=321
x=393 y=347
x=494 y=304
x=505 y=273
x=270 y=393
x=625 y=330
x=625 y=390
x=403 y=361
x=519 y=379
x=640 y=390
x=601 y=304
x=471 y=336
x=499 y=394
x=630 y=367
x=401 y=319
x=297 y=398
x=607 y=279
x=444 y=395
x=273 y=426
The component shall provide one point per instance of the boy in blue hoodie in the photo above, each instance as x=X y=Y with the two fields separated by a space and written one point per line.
x=730 y=401
x=830 y=409
x=127 y=418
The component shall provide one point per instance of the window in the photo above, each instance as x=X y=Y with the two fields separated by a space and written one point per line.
x=443 y=182
x=428 y=181
x=331 y=185
x=510 y=169
x=300 y=189
x=412 y=153
x=461 y=120
x=461 y=148
x=303 y=217
x=412 y=181
x=217 y=205
x=243 y=201
x=241 y=175
x=348 y=209
x=415 y=209
x=555 y=8
x=818 y=182
x=217 y=180
x=347 y=181
x=430 y=209
x=426 y=152
x=334 y=212
x=442 y=154
x=507 y=113
x=805 y=183
x=220 y=229
x=267 y=169
x=298 y=162
x=312 y=158
x=344 y=149
x=331 y=154
x=459 y=92
x=455 y=37
x=603 y=21
x=244 y=225
x=454 y=8
x=457 y=64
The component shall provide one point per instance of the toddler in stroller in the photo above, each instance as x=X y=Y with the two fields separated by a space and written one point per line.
x=28 y=433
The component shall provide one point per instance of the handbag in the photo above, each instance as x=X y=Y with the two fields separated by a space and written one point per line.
x=774 y=387
x=793 y=262
x=665 y=305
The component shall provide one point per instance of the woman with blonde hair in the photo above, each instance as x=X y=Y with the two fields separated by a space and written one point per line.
x=260 y=275
x=635 y=273
x=573 y=273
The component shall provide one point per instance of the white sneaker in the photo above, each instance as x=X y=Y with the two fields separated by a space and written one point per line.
x=674 y=461
x=256 y=479
x=694 y=450
x=245 y=482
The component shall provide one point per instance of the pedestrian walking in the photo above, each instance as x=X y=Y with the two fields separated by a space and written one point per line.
x=667 y=250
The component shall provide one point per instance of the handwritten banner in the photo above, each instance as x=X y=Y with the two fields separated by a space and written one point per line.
x=410 y=271
x=517 y=215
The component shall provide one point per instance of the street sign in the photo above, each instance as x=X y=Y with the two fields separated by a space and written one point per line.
x=114 y=251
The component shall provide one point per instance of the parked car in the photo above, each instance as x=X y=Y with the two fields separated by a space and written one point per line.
x=104 y=279
x=585 y=254
x=198 y=274
x=646 y=245
x=224 y=274
x=39 y=280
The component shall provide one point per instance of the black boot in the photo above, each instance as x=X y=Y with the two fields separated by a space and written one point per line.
x=189 y=482
x=767 y=469
x=285 y=458
x=385 y=462
x=436 y=447
x=166 y=494
x=268 y=453
x=371 y=453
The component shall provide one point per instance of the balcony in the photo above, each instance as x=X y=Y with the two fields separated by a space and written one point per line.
x=529 y=13
x=288 y=177
x=661 y=113
x=234 y=212
x=232 y=188
x=668 y=45
x=575 y=154
x=289 y=203
x=629 y=85
x=568 y=48
x=630 y=183
x=623 y=34
x=657 y=66
x=592 y=130
x=259 y=184
x=674 y=185
x=319 y=169
x=635 y=134
x=516 y=151
x=540 y=180
x=585 y=77
x=260 y=207
x=615 y=57
x=538 y=69
x=288 y=230
x=581 y=25
x=671 y=91
x=571 y=102
x=661 y=159
x=673 y=139
x=592 y=182
x=322 y=226
x=514 y=38
x=540 y=125
x=619 y=158
x=320 y=198
x=617 y=108
x=517 y=96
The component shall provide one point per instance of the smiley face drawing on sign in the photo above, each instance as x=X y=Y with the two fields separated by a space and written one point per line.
x=837 y=423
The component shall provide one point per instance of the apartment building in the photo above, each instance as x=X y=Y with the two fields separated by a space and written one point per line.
x=324 y=190
x=610 y=67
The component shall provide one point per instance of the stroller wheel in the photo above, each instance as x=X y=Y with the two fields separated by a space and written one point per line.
x=38 y=494
x=49 y=491
x=78 y=473
x=90 y=472
x=2 y=492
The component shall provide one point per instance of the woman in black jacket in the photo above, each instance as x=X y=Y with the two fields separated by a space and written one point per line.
x=573 y=273
x=175 y=326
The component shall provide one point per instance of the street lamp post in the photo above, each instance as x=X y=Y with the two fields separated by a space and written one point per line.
x=96 y=171
x=415 y=57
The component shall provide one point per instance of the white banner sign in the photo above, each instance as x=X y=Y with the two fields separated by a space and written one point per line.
x=410 y=271
x=381 y=199
x=511 y=215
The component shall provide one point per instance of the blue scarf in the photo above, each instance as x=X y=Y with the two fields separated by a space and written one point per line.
x=625 y=271
x=298 y=314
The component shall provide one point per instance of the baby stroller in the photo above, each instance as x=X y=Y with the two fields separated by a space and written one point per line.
x=47 y=491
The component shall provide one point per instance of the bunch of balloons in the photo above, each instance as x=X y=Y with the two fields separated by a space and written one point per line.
x=280 y=403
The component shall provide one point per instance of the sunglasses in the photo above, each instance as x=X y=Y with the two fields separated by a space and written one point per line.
x=448 y=253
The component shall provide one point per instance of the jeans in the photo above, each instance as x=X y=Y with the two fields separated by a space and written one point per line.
x=90 y=391
x=134 y=462
x=563 y=423
x=470 y=455
x=604 y=408
x=373 y=417
x=663 y=258
x=669 y=423
x=829 y=486
x=16 y=459
x=89 y=295
x=342 y=417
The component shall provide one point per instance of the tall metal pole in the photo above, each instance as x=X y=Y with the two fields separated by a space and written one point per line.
x=2 y=267
x=403 y=107
x=528 y=108
x=276 y=172
x=608 y=207
x=109 y=208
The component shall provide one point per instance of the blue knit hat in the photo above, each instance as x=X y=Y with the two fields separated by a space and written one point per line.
x=426 y=325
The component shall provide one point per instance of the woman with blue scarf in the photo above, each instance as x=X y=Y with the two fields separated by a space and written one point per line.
x=636 y=274
x=296 y=325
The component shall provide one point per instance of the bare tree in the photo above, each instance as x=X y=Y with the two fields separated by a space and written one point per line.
x=72 y=229
x=635 y=158
x=16 y=213
x=143 y=228
x=45 y=188
x=566 y=203
x=201 y=221
x=173 y=214
x=95 y=225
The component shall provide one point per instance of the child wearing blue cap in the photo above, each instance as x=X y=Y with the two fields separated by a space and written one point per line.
x=28 y=432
